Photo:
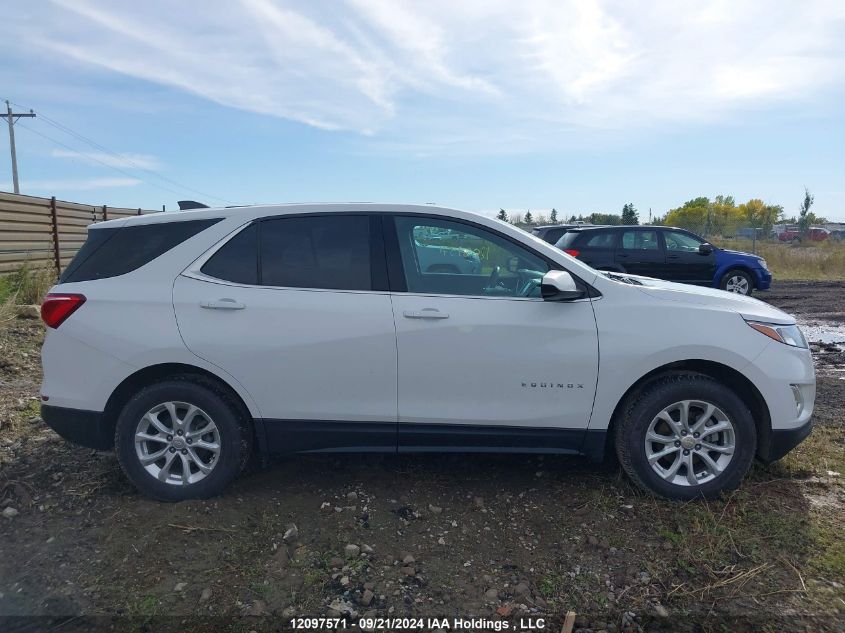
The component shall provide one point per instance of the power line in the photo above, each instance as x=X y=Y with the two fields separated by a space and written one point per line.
x=67 y=130
x=96 y=160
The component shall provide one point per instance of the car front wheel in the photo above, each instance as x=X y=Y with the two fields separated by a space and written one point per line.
x=686 y=436
x=737 y=281
x=182 y=438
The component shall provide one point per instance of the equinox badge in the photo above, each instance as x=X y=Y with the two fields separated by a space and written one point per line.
x=553 y=385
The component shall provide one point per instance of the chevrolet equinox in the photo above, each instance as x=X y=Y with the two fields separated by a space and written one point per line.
x=188 y=341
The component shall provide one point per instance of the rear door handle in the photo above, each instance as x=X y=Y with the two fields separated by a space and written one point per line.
x=427 y=313
x=223 y=304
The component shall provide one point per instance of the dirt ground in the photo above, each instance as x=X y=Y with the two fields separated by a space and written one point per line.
x=501 y=537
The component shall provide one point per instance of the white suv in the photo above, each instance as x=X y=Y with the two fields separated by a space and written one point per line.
x=188 y=341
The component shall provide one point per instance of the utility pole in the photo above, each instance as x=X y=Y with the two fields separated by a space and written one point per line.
x=11 y=117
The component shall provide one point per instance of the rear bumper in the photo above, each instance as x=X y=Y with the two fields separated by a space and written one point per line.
x=782 y=441
x=86 y=428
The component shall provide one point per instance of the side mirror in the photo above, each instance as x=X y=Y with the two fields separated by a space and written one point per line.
x=705 y=249
x=558 y=285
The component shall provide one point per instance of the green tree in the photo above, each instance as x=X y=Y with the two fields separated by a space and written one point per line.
x=553 y=216
x=528 y=219
x=693 y=215
x=503 y=215
x=629 y=214
x=804 y=219
x=604 y=218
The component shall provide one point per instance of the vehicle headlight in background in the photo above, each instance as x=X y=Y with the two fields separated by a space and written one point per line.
x=788 y=334
x=763 y=263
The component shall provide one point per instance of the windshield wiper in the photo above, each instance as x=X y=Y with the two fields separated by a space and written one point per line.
x=624 y=280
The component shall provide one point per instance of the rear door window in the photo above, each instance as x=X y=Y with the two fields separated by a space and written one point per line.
x=331 y=252
x=640 y=241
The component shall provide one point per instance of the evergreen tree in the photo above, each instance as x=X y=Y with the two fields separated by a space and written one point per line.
x=503 y=215
x=528 y=219
x=629 y=214
x=553 y=216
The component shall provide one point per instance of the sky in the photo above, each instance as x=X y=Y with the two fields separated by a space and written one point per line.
x=479 y=104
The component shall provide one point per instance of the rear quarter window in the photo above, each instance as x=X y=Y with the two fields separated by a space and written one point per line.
x=111 y=252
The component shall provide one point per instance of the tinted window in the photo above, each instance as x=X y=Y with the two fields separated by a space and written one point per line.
x=553 y=235
x=331 y=251
x=640 y=240
x=237 y=259
x=445 y=257
x=567 y=239
x=111 y=252
x=601 y=240
x=677 y=241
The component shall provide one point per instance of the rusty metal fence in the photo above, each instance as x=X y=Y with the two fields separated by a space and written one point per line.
x=45 y=232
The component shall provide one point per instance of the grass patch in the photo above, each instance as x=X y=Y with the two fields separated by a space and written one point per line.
x=822 y=261
x=146 y=606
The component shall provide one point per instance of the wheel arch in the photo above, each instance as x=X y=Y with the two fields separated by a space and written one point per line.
x=162 y=371
x=741 y=267
x=741 y=385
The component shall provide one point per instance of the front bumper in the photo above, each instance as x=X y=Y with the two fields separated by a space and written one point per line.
x=763 y=278
x=86 y=428
x=781 y=441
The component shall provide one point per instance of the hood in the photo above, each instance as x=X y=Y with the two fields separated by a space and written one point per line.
x=748 y=307
x=742 y=253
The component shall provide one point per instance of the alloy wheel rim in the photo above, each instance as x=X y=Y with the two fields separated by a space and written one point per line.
x=690 y=442
x=738 y=284
x=177 y=443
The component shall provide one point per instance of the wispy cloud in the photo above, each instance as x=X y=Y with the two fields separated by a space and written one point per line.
x=123 y=161
x=475 y=75
x=75 y=184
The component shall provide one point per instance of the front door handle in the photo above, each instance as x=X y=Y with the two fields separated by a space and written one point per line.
x=223 y=304
x=427 y=313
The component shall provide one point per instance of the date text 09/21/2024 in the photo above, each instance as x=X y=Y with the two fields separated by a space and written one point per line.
x=411 y=624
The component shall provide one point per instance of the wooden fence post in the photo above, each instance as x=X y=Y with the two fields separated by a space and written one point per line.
x=105 y=214
x=139 y=210
x=56 y=250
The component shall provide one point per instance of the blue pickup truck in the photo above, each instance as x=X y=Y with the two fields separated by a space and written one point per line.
x=667 y=253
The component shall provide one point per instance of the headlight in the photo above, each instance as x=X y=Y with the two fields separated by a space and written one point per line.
x=788 y=334
x=763 y=263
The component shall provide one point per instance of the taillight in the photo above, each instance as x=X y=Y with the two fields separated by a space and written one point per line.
x=58 y=307
x=572 y=251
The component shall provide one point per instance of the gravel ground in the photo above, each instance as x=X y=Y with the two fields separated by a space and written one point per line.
x=499 y=537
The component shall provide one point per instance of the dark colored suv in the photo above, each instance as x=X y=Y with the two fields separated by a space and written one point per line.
x=551 y=233
x=667 y=253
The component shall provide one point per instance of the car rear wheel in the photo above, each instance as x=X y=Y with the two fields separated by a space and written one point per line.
x=686 y=436
x=737 y=281
x=183 y=438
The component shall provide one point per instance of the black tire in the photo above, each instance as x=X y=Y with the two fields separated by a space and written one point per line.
x=228 y=415
x=737 y=273
x=631 y=429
